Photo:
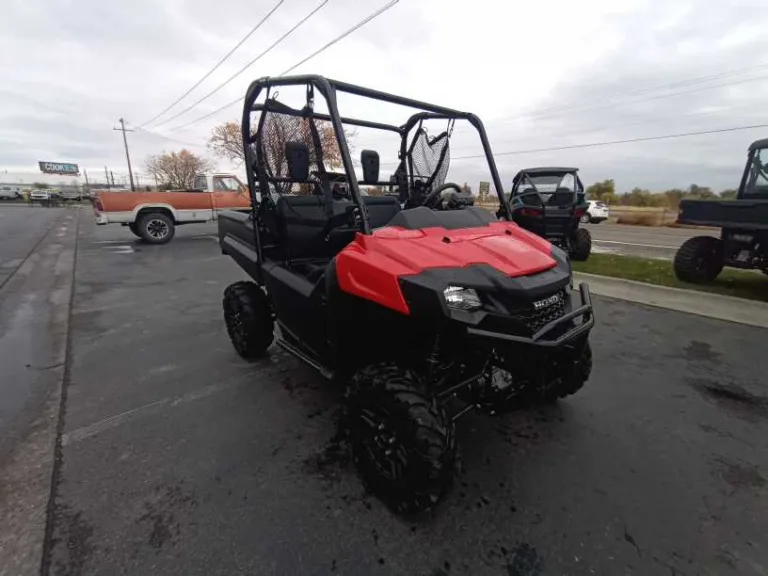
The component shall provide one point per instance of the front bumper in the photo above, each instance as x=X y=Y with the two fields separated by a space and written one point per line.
x=581 y=317
x=101 y=218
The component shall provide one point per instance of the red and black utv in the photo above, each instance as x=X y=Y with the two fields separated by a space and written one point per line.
x=423 y=305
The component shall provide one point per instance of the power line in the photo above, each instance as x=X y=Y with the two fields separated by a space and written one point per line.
x=156 y=134
x=219 y=63
x=612 y=142
x=639 y=91
x=344 y=35
x=615 y=100
x=244 y=68
x=644 y=122
x=357 y=26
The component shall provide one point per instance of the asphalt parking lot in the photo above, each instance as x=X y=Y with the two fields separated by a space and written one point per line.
x=177 y=457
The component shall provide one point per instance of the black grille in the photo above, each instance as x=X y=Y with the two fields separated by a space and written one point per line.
x=534 y=319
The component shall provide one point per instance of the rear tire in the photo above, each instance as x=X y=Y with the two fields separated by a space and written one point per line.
x=699 y=259
x=132 y=226
x=581 y=244
x=585 y=219
x=248 y=317
x=156 y=228
x=402 y=440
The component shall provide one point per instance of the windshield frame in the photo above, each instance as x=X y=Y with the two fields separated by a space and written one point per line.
x=755 y=169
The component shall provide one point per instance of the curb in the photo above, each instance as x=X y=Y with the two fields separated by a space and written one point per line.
x=729 y=308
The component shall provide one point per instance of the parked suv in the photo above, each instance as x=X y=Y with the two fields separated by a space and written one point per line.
x=597 y=212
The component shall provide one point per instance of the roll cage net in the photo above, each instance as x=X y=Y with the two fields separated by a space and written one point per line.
x=428 y=159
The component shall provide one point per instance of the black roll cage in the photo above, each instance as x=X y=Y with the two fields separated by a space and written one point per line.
x=328 y=89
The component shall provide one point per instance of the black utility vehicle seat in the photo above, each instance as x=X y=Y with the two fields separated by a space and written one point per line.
x=302 y=220
x=561 y=198
x=381 y=209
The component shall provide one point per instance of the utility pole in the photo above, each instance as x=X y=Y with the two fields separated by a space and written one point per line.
x=123 y=129
x=87 y=186
x=113 y=178
x=106 y=175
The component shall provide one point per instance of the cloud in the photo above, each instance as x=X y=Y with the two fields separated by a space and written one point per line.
x=541 y=75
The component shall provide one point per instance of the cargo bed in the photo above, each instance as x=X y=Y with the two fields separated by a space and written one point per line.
x=741 y=214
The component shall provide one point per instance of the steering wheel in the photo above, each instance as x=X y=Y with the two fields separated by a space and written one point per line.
x=432 y=196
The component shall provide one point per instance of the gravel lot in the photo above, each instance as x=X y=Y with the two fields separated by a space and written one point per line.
x=178 y=457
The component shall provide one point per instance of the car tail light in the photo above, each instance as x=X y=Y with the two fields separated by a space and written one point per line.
x=580 y=212
x=99 y=205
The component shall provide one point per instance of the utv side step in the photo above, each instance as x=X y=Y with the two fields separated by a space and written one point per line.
x=291 y=349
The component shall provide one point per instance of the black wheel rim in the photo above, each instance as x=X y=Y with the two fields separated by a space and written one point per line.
x=157 y=229
x=236 y=328
x=383 y=452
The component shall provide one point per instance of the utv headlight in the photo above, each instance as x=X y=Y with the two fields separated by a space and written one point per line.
x=461 y=298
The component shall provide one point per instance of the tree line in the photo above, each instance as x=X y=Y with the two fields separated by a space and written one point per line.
x=606 y=192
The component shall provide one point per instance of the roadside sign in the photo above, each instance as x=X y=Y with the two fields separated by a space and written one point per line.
x=59 y=168
x=485 y=188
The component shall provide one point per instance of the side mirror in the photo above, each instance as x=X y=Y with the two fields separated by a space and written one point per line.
x=370 y=161
x=297 y=156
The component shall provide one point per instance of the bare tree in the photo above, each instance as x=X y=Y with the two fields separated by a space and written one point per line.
x=177 y=170
x=226 y=140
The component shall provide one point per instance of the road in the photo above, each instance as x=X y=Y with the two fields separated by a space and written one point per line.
x=646 y=241
x=178 y=457
x=36 y=264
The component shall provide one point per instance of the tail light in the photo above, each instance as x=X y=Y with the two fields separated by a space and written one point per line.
x=530 y=212
x=99 y=205
x=580 y=212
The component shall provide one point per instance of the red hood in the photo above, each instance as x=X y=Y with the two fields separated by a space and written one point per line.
x=371 y=265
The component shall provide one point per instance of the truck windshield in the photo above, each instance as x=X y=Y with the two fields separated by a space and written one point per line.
x=226 y=184
x=757 y=181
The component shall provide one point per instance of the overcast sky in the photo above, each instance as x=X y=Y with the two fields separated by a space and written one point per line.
x=540 y=74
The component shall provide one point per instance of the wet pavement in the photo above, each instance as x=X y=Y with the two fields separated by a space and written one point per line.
x=37 y=249
x=180 y=458
x=32 y=243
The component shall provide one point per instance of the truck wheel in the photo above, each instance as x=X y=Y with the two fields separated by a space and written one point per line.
x=133 y=227
x=248 y=317
x=581 y=244
x=699 y=259
x=156 y=228
x=402 y=440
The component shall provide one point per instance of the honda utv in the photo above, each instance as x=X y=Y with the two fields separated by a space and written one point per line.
x=551 y=202
x=422 y=305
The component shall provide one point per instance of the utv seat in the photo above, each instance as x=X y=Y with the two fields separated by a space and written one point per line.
x=381 y=209
x=301 y=223
x=562 y=198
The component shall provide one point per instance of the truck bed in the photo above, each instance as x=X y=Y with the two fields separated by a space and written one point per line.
x=236 y=238
x=745 y=214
